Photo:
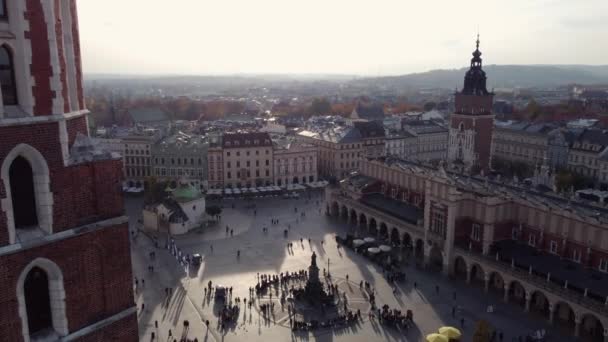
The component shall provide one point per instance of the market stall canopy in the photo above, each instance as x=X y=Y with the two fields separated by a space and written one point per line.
x=385 y=248
x=437 y=338
x=450 y=332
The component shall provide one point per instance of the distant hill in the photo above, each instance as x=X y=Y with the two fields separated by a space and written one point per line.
x=498 y=76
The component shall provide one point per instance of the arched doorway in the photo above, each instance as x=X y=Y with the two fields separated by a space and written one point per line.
x=335 y=209
x=563 y=317
x=477 y=274
x=395 y=240
x=539 y=304
x=497 y=283
x=517 y=293
x=344 y=213
x=407 y=240
x=353 y=216
x=592 y=329
x=419 y=249
x=363 y=220
x=37 y=301
x=22 y=193
x=436 y=259
x=460 y=268
x=383 y=231
x=373 y=227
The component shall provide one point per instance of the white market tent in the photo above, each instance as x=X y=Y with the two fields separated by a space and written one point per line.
x=385 y=248
x=358 y=242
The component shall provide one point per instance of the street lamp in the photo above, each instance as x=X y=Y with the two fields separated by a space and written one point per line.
x=328 y=275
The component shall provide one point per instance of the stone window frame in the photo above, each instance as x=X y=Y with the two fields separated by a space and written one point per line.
x=42 y=191
x=56 y=294
x=476 y=232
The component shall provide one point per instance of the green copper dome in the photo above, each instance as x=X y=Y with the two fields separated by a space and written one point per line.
x=186 y=193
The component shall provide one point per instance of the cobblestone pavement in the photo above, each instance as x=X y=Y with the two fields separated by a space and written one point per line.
x=267 y=253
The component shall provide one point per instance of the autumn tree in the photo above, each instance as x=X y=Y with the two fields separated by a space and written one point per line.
x=482 y=332
x=320 y=106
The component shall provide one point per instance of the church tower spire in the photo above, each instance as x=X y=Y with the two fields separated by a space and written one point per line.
x=472 y=123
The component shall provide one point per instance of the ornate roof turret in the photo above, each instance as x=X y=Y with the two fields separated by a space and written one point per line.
x=475 y=78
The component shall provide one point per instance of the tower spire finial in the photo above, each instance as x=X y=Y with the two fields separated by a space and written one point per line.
x=477 y=43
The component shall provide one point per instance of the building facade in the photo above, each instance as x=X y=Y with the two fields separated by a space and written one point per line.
x=400 y=144
x=137 y=159
x=181 y=157
x=472 y=123
x=373 y=138
x=431 y=140
x=586 y=151
x=64 y=239
x=339 y=150
x=532 y=249
x=522 y=142
x=247 y=160
x=294 y=162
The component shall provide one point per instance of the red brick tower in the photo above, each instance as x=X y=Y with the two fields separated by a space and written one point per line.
x=65 y=267
x=472 y=123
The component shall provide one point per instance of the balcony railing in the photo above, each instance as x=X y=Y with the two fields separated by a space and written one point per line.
x=538 y=281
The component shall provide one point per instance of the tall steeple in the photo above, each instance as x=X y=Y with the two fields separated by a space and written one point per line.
x=472 y=123
x=475 y=78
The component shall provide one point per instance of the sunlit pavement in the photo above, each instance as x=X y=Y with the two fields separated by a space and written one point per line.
x=267 y=253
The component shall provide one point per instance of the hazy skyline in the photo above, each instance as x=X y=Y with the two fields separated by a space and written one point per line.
x=335 y=36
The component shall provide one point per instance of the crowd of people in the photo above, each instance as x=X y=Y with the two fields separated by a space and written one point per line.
x=341 y=320
x=395 y=317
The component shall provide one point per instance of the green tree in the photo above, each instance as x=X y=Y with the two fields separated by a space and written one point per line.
x=320 y=106
x=155 y=191
x=213 y=211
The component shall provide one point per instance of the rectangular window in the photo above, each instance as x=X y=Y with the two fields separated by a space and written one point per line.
x=257 y=163
x=532 y=240
x=248 y=164
x=228 y=154
x=267 y=162
x=238 y=154
x=576 y=255
x=257 y=173
x=476 y=232
x=238 y=163
x=553 y=247
x=267 y=173
x=228 y=165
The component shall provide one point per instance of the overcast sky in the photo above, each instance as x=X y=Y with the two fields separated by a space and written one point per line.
x=368 y=37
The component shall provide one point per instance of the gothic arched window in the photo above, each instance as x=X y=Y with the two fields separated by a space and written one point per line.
x=7 y=77
x=37 y=301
